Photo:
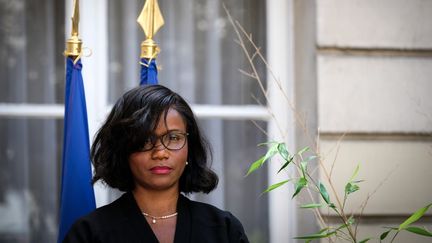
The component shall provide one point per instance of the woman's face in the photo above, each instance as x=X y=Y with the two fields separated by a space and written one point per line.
x=161 y=168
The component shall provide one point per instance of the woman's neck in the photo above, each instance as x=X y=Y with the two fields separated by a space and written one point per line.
x=156 y=203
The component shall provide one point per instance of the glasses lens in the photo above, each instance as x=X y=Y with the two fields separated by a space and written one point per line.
x=174 y=140
x=148 y=145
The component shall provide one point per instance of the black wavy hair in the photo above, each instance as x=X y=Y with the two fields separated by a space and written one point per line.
x=132 y=120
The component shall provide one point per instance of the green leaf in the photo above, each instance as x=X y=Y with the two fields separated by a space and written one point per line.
x=319 y=232
x=283 y=151
x=419 y=231
x=414 y=217
x=304 y=163
x=365 y=240
x=303 y=150
x=355 y=173
x=267 y=143
x=276 y=185
x=323 y=230
x=312 y=205
x=342 y=226
x=302 y=182
x=384 y=235
x=272 y=151
x=310 y=158
x=351 y=187
x=303 y=166
x=288 y=161
x=258 y=163
x=324 y=193
x=255 y=165
x=315 y=236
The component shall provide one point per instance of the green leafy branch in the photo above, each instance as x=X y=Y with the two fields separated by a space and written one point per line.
x=345 y=230
x=406 y=225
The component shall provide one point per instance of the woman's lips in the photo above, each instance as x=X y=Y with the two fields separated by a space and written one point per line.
x=161 y=170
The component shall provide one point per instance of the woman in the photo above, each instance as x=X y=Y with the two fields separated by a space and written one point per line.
x=151 y=148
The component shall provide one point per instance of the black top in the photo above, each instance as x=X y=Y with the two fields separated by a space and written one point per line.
x=122 y=221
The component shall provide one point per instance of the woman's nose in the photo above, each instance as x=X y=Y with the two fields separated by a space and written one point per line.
x=159 y=145
x=159 y=151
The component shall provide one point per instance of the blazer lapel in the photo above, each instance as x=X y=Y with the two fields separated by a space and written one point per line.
x=183 y=225
x=138 y=224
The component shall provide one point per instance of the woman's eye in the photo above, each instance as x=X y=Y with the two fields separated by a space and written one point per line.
x=174 y=137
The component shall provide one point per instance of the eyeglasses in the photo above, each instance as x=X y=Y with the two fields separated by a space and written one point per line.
x=173 y=140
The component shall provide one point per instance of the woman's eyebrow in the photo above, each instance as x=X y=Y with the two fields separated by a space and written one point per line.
x=174 y=130
x=168 y=131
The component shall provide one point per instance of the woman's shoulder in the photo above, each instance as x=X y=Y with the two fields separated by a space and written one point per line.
x=114 y=210
x=206 y=208
x=207 y=213
x=108 y=218
x=213 y=223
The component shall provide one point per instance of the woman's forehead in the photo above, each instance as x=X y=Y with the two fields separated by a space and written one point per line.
x=170 y=120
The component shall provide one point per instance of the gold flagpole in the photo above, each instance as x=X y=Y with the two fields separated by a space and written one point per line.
x=74 y=43
x=151 y=21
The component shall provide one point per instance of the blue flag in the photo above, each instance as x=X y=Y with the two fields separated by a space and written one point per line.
x=77 y=195
x=148 y=72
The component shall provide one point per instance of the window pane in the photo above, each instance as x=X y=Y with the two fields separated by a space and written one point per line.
x=234 y=146
x=242 y=194
x=30 y=155
x=199 y=58
x=32 y=40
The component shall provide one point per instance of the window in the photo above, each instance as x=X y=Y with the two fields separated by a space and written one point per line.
x=32 y=71
x=200 y=60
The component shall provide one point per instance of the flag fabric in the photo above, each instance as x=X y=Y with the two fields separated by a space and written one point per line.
x=77 y=195
x=148 y=72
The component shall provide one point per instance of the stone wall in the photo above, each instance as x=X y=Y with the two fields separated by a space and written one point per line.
x=374 y=85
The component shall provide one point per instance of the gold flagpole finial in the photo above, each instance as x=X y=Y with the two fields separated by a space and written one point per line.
x=151 y=21
x=74 y=44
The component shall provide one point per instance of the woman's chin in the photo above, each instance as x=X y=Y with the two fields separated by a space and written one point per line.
x=161 y=184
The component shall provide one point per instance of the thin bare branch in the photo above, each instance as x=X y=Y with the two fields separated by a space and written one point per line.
x=251 y=75
x=256 y=53
x=256 y=100
x=260 y=128
x=252 y=65
x=337 y=153
x=365 y=202
x=298 y=119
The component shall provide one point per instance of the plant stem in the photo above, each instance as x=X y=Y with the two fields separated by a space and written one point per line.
x=344 y=201
x=342 y=213
x=346 y=236
x=397 y=232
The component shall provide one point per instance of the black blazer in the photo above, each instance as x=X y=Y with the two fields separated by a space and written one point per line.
x=122 y=221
